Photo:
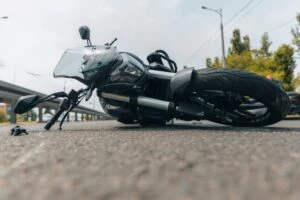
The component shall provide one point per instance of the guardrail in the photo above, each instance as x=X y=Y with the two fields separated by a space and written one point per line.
x=10 y=93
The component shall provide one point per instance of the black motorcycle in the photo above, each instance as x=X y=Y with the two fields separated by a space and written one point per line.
x=155 y=93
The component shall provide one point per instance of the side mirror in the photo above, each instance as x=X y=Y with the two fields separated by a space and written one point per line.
x=26 y=103
x=84 y=32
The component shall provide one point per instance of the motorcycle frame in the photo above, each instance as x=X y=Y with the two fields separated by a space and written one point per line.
x=178 y=82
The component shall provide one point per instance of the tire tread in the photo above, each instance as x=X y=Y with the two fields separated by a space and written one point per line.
x=245 y=83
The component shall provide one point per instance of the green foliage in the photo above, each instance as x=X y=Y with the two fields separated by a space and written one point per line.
x=265 y=45
x=279 y=64
x=208 y=63
x=217 y=63
x=283 y=58
x=239 y=61
x=266 y=66
x=236 y=42
x=296 y=34
x=246 y=43
x=3 y=115
x=296 y=81
x=237 y=45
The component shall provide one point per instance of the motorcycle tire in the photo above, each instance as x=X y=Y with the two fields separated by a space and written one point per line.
x=239 y=85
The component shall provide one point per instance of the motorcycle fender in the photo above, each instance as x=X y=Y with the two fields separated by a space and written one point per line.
x=180 y=82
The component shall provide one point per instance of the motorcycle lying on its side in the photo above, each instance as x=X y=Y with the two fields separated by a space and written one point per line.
x=134 y=92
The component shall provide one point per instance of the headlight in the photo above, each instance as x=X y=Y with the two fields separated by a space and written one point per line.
x=132 y=70
x=126 y=73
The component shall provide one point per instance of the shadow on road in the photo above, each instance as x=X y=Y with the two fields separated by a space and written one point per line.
x=206 y=127
x=282 y=127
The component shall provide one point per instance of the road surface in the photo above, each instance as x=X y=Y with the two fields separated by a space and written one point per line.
x=109 y=160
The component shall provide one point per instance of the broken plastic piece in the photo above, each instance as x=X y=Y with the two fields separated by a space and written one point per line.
x=18 y=131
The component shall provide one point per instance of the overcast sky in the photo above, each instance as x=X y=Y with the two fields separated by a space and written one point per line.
x=37 y=32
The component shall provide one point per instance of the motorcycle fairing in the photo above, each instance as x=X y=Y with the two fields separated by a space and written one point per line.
x=84 y=62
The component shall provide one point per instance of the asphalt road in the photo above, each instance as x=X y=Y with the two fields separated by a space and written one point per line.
x=109 y=160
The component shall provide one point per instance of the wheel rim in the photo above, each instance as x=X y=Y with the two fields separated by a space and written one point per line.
x=230 y=107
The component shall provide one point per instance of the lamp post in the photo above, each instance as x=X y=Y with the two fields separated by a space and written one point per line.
x=219 y=12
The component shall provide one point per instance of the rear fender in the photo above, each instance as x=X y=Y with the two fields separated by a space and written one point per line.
x=180 y=82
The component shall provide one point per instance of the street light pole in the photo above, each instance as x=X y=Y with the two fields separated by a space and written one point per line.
x=219 y=12
x=222 y=38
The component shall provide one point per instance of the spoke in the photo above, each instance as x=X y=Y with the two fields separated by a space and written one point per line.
x=252 y=106
x=230 y=105
x=240 y=114
x=247 y=113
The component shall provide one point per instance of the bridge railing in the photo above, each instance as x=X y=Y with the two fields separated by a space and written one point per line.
x=10 y=93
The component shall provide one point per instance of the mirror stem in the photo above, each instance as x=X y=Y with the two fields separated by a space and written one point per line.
x=89 y=43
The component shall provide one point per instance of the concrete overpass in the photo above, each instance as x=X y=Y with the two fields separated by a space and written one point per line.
x=10 y=93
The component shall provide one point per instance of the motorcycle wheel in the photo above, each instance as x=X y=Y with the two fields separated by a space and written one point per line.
x=238 y=98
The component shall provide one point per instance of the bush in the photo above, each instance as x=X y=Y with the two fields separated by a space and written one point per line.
x=3 y=115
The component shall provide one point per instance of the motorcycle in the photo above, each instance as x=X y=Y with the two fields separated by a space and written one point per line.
x=155 y=93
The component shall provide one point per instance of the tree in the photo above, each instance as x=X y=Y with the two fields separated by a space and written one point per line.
x=296 y=34
x=237 y=45
x=296 y=81
x=240 y=56
x=283 y=57
x=208 y=63
x=240 y=61
x=265 y=45
x=280 y=64
x=217 y=63
x=265 y=66
x=296 y=41
x=246 y=43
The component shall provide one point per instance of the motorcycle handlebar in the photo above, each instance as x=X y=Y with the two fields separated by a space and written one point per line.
x=64 y=104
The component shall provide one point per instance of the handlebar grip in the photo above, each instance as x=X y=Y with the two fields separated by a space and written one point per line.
x=54 y=118
x=64 y=105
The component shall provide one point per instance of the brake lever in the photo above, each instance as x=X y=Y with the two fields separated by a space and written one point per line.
x=53 y=96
